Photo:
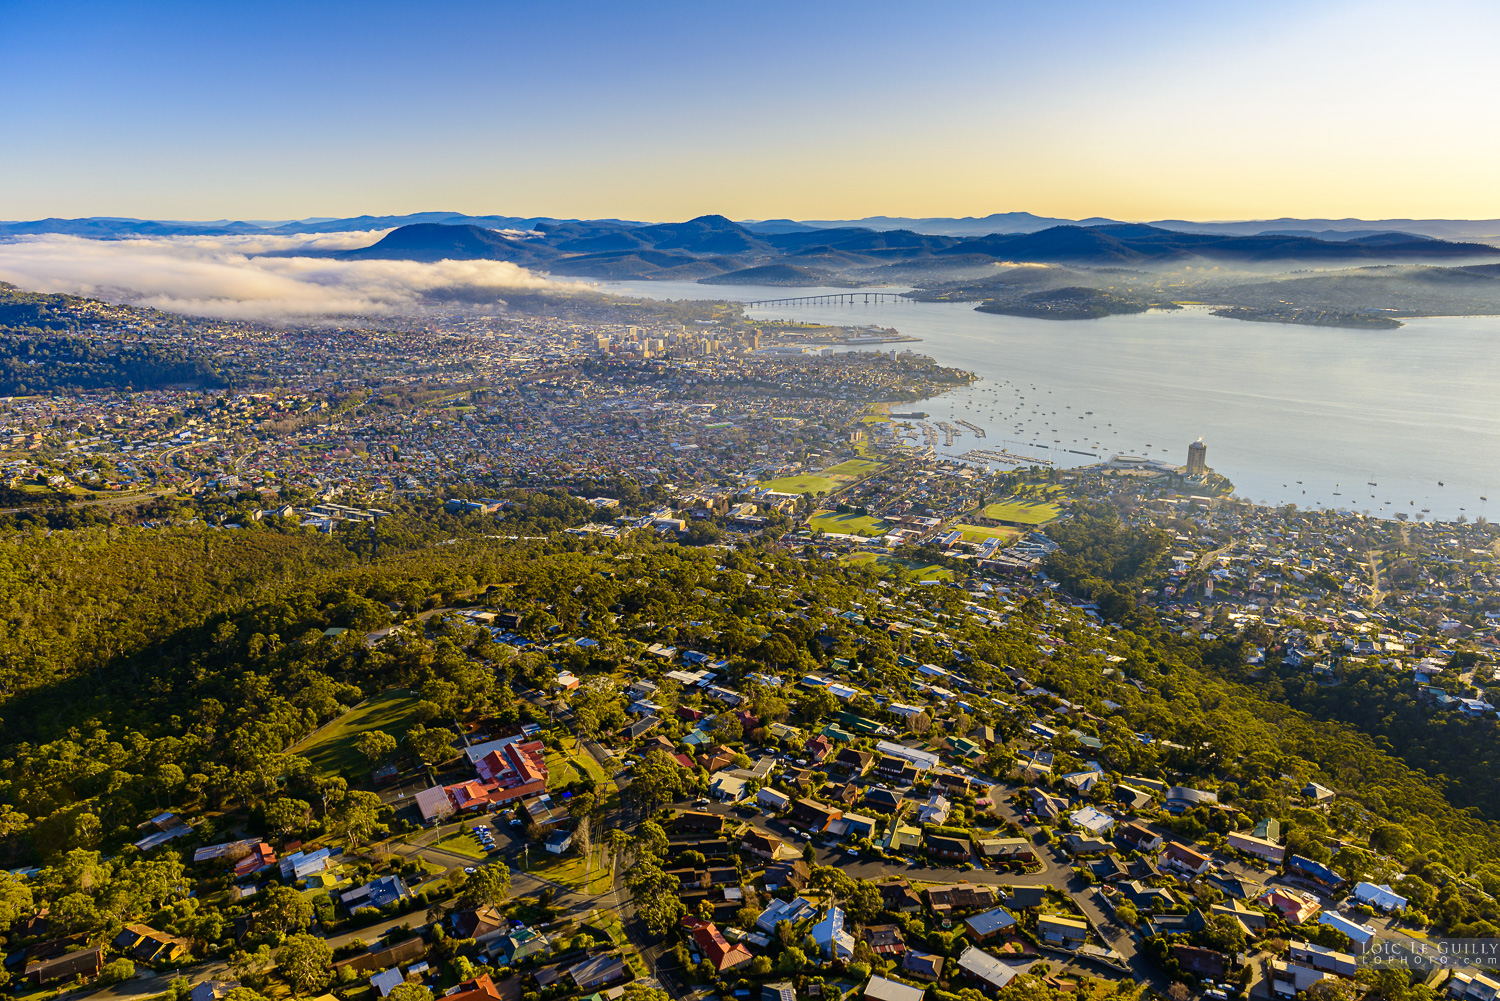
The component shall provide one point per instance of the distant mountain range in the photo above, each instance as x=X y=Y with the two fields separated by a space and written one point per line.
x=716 y=249
x=109 y=227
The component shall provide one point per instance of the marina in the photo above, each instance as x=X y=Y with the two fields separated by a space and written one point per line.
x=986 y=456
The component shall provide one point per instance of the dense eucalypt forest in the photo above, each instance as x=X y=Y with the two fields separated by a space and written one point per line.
x=178 y=668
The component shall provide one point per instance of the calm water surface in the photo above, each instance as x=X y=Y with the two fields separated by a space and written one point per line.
x=1276 y=403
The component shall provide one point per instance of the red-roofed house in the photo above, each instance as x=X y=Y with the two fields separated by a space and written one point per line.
x=262 y=856
x=715 y=949
x=481 y=988
x=818 y=748
x=1293 y=907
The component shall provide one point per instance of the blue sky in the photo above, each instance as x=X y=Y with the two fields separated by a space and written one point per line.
x=756 y=110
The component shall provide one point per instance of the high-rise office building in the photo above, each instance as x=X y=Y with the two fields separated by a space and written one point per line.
x=1197 y=463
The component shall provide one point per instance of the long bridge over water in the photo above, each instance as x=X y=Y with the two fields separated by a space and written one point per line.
x=835 y=299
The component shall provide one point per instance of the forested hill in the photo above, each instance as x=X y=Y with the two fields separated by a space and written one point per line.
x=186 y=663
x=51 y=343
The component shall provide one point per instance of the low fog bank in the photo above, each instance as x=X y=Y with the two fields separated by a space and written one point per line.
x=253 y=277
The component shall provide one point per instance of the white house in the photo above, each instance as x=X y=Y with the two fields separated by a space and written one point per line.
x=881 y=989
x=1380 y=896
x=935 y=810
x=1096 y=822
x=795 y=909
x=1360 y=935
x=728 y=787
x=833 y=941
x=924 y=760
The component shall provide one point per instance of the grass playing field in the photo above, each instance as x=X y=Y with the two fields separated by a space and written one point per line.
x=978 y=533
x=826 y=480
x=1025 y=512
x=847 y=524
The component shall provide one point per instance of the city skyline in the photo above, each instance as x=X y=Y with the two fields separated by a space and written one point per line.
x=669 y=111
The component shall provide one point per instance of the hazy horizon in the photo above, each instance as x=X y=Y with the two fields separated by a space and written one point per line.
x=832 y=111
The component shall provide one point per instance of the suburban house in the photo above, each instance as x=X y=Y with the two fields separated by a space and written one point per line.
x=1361 y=935
x=922 y=965
x=899 y=896
x=990 y=923
x=795 y=909
x=1379 y=896
x=1077 y=845
x=1130 y=797
x=1201 y=962
x=814 y=815
x=714 y=948
x=600 y=971
x=762 y=845
x=853 y=763
x=376 y=893
x=794 y=874
x=833 y=941
x=884 y=800
x=1259 y=847
x=935 y=810
x=881 y=989
x=1139 y=838
x=885 y=940
x=773 y=800
x=946 y=847
x=84 y=964
x=1184 y=859
x=960 y=897
x=987 y=973
x=1008 y=852
x=1095 y=822
x=1067 y=932
x=1293 y=907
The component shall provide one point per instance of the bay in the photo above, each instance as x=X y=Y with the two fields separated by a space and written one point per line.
x=1414 y=410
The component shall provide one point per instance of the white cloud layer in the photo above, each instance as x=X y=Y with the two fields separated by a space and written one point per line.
x=226 y=276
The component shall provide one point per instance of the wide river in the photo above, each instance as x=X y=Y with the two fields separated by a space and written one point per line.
x=1311 y=415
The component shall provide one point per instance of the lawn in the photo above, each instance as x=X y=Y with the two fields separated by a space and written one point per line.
x=1024 y=512
x=825 y=481
x=331 y=749
x=568 y=870
x=461 y=842
x=572 y=763
x=978 y=533
x=847 y=524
